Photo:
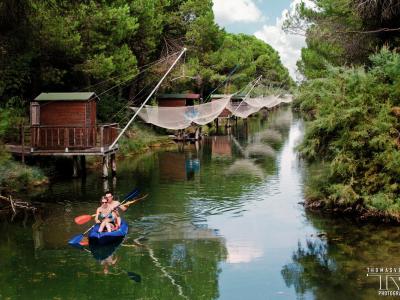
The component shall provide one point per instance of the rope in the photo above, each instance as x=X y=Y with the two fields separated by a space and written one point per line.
x=226 y=79
x=141 y=72
x=121 y=75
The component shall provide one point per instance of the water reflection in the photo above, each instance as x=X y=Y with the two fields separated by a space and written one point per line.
x=221 y=146
x=221 y=222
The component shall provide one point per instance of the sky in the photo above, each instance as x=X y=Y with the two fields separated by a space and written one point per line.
x=264 y=19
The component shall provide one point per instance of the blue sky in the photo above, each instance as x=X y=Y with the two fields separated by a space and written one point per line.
x=264 y=19
x=271 y=9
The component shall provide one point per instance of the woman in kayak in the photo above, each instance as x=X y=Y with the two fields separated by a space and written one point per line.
x=107 y=217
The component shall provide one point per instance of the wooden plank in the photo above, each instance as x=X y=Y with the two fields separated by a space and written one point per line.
x=63 y=113
x=17 y=149
x=66 y=141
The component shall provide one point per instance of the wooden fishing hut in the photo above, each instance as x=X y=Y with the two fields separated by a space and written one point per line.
x=65 y=124
x=177 y=100
x=180 y=100
x=226 y=114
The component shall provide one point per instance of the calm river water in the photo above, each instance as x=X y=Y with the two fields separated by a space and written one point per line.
x=222 y=221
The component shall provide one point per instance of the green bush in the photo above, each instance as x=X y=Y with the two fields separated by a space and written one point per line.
x=15 y=176
x=354 y=128
x=140 y=137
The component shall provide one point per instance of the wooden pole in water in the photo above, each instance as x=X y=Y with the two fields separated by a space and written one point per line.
x=113 y=165
x=83 y=164
x=105 y=166
x=147 y=99
x=75 y=166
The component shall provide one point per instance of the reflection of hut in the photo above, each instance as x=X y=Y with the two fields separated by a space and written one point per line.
x=177 y=167
x=176 y=100
x=221 y=146
x=172 y=166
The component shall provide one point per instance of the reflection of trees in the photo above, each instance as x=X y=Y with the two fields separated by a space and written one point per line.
x=190 y=254
x=311 y=268
x=245 y=166
x=336 y=266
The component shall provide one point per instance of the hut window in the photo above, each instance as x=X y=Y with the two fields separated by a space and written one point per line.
x=35 y=113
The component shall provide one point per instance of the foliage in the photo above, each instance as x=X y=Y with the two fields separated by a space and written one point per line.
x=354 y=128
x=343 y=32
x=15 y=176
x=101 y=46
x=140 y=138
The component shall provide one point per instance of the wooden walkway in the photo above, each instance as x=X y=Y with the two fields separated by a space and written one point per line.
x=28 y=151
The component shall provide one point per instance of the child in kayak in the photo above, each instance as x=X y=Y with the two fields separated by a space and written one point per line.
x=107 y=217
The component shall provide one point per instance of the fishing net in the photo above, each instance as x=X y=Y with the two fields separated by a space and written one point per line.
x=242 y=109
x=183 y=117
x=252 y=105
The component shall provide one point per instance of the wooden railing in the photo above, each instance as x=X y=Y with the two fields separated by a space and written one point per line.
x=61 y=137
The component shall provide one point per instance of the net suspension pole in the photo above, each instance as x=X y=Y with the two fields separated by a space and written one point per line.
x=147 y=99
x=252 y=87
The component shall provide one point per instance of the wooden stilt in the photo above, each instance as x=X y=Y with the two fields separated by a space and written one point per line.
x=114 y=182
x=113 y=165
x=83 y=165
x=106 y=186
x=75 y=166
x=105 y=166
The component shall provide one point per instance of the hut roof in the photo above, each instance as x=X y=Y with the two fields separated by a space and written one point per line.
x=234 y=97
x=178 y=96
x=65 y=96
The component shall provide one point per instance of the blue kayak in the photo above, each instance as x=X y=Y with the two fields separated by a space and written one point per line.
x=104 y=238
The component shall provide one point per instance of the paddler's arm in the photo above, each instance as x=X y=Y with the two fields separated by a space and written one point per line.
x=96 y=218
x=123 y=207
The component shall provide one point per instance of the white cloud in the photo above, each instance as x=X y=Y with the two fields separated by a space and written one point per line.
x=288 y=45
x=243 y=252
x=230 y=11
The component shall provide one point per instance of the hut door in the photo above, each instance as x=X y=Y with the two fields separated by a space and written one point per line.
x=35 y=113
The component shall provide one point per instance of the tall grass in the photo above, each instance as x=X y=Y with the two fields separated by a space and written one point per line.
x=140 y=138
x=15 y=176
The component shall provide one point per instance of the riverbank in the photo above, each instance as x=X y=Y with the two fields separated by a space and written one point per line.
x=357 y=211
x=140 y=139
x=321 y=198
x=17 y=177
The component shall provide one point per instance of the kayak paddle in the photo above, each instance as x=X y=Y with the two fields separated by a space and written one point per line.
x=86 y=218
x=75 y=240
